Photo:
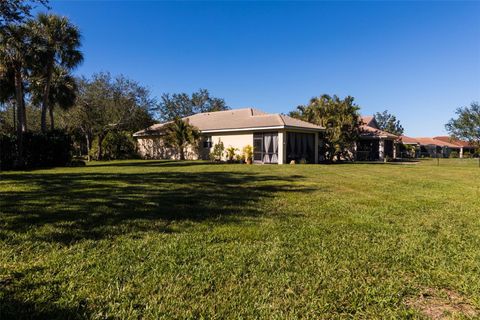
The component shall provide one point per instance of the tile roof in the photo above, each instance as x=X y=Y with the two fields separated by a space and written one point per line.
x=457 y=142
x=431 y=141
x=236 y=120
x=368 y=128
x=439 y=141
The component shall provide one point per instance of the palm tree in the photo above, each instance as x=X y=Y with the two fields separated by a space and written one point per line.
x=63 y=91
x=14 y=57
x=58 y=45
x=179 y=134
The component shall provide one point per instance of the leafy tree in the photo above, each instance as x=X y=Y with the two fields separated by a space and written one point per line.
x=182 y=105
x=180 y=134
x=105 y=104
x=57 y=43
x=340 y=118
x=12 y=11
x=467 y=124
x=389 y=123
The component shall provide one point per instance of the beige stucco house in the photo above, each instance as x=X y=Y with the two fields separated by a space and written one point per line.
x=276 y=138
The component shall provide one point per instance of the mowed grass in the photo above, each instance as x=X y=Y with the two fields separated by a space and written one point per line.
x=165 y=239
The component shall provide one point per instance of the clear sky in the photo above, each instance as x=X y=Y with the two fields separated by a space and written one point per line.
x=419 y=60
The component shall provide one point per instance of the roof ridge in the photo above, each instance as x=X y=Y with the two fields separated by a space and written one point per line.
x=281 y=118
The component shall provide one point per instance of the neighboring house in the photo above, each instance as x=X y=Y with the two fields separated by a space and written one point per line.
x=465 y=146
x=276 y=138
x=437 y=147
x=374 y=144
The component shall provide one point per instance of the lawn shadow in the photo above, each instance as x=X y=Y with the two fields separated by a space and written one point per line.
x=77 y=206
x=14 y=306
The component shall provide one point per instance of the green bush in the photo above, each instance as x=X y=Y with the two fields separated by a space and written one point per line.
x=216 y=154
x=453 y=154
x=116 y=145
x=52 y=149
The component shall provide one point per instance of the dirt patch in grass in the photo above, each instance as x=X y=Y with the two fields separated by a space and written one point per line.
x=442 y=304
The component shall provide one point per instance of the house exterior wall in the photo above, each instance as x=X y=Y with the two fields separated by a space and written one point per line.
x=153 y=147
x=235 y=139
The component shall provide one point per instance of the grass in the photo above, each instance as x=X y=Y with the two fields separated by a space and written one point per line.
x=159 y=239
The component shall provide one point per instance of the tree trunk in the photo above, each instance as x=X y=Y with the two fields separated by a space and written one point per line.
x=100 y=151
x=14 y=109
x=52 y=125
x=46 y=93
x=89 y=145
x=182 y=153
x=21 y=127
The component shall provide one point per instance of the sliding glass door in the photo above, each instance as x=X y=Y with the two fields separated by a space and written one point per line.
x=265 y=147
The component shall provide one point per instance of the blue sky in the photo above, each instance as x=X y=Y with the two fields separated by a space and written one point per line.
x=419 y=60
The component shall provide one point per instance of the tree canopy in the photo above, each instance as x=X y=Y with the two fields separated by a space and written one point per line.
x=388 y=122
x=12 y=11
x=467 y=124
x=340 y=118
x=180 y=105
x=104 y=104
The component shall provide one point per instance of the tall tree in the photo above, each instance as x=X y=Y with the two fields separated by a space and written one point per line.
x=467 y=124
x=180 y=134
x=63 y=91
x=14 y=11
x=340 y=118
x=106 y=104
x=183 y=105
x=58 y=45
x=14 y=58
x=389 y=123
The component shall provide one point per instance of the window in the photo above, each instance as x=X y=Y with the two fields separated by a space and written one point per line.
x=207 y=142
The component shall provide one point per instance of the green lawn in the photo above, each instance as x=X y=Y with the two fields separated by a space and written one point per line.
x=153 y=239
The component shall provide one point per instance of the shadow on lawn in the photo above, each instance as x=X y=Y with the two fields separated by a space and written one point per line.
x=13 y=307
x=72 y=206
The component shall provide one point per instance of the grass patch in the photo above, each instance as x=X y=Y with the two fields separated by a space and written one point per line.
x=165 y=239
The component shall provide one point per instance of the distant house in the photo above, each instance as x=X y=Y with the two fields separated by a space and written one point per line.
x=276 y=138
x=374 y=144
x=440 y=146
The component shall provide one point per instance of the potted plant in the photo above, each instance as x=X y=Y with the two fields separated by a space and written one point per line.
x=231 y=153
x=248 y=154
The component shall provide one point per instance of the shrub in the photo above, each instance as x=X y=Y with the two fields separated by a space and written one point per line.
x=8 y=150
x=231 y=153
x=116 y=145
x=217 y=152
x=453 y=154
x=52 y=149
x=248 y=153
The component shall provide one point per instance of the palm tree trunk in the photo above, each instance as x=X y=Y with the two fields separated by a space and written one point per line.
x=46 y=93
x=52 y=125
x=182 y=153
x=21 y=127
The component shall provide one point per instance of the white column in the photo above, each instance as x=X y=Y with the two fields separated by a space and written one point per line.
x=394 y=150
x=381 y=149
x=316 y=147
x=461 y=152
x=282 y=147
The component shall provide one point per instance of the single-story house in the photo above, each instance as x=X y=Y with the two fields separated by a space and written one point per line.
x=430 y=147
x=276 y=138
x=465 y=146
x=374 y=144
